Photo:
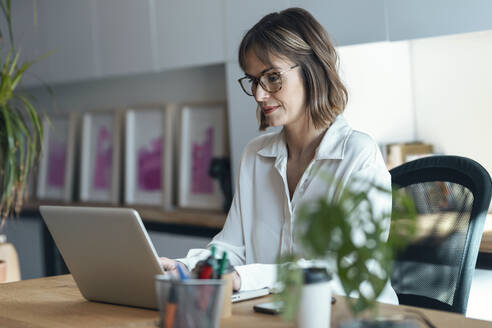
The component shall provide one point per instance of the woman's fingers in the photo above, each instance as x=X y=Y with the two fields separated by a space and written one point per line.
x=236 y=281
x=168 y=264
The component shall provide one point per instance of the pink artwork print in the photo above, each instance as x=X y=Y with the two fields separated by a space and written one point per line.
x=150 y=166
x=103 y=161
x=56 y=162
x=201 y=182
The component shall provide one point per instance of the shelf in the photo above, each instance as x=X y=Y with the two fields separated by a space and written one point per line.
x=194 y=218
x=200 y=218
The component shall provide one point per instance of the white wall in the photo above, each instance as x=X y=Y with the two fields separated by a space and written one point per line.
x=436 y=90
x=204 y=83
x=453 y=94
x=377 y=76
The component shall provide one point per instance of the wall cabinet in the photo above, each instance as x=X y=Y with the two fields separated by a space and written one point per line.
x=189 y=32
x=96 y=39
x=63 y=33
x=124 y=33
x=349 y=21
x=26 y=36
x=240 y=16
x=86 y=39
x=424 y=18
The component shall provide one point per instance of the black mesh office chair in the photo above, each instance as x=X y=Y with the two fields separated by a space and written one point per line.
x=452 y=196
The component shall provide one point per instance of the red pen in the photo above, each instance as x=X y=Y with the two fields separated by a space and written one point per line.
x=209 y=268
x=205 y=272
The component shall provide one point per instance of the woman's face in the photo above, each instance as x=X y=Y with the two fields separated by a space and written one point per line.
x=286 y=106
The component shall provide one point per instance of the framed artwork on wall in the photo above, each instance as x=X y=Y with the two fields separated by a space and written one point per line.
x=148 y=156
x=55 y=175
x=100 y=157
x=203 y=137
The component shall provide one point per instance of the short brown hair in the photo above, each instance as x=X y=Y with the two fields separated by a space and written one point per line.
x=295 y=34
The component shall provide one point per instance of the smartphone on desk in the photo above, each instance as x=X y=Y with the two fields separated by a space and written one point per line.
x=268 y=307
x=275 y=307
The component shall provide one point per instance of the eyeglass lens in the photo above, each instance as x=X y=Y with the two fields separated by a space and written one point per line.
x=270 y=82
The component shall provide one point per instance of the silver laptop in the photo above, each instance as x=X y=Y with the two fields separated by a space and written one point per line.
x=108 y=252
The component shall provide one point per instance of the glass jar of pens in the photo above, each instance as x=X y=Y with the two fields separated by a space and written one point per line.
x=196 y=300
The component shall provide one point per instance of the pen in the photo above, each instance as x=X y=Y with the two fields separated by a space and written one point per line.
x=213 y=262
x=171 y=305
x=181 y=273
x=223 y=264
x=209 y=268
x=206 y=271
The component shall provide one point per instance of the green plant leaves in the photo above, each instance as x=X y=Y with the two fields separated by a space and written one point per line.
x=291 y=278
x=6 y=10
x=349 y=230
x=21 y=130
x=19 y=148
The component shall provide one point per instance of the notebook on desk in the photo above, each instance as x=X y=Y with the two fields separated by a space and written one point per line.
x=110 y=254
x=249 y=294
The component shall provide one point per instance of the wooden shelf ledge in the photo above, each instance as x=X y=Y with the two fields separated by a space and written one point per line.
x=195 y=218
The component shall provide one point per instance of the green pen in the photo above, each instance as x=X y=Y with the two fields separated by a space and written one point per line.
x=223 y=264
x=214 y=263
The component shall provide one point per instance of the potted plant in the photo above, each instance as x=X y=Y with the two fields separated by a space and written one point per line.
x=21 y=130
x=351 y=234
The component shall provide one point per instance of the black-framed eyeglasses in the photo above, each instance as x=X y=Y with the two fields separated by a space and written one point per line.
x=270 y=81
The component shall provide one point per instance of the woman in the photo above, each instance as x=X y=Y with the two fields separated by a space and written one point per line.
x=290 y=68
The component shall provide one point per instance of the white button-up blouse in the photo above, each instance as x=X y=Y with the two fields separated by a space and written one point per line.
x=260 y=223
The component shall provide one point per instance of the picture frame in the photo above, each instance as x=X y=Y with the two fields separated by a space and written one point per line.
x=100 y=160
x=203 y=136
x=149 y=138
x=56 y=166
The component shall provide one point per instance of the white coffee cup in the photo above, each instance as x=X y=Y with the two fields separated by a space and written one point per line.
x=315 y=302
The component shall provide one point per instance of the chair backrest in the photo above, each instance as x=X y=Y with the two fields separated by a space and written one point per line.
x=452 y=196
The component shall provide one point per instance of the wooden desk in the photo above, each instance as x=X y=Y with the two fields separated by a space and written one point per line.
x=56 y=302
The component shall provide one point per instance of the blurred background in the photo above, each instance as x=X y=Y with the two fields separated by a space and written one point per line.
x=418 y=73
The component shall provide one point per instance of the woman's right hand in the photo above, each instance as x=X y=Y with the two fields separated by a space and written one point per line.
x=169 y=265
x=236 y=281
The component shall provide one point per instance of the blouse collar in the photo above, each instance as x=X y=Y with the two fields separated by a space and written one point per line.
x=332 y=145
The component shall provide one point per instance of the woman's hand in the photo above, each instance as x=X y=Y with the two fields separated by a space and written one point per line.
x=169 y=265
x=236 y=281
